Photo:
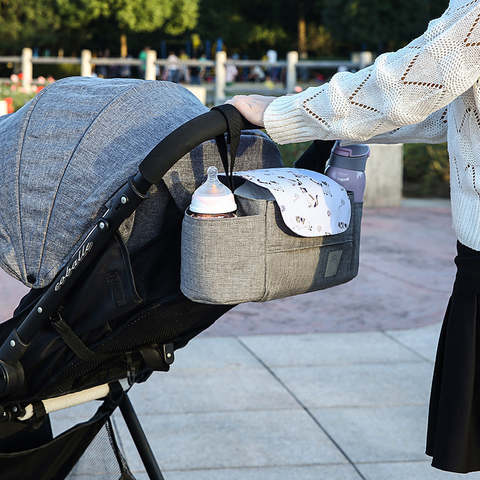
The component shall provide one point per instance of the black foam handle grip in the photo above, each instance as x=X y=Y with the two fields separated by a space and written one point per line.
x=184 y=139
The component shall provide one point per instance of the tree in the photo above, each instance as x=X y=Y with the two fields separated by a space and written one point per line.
x=252 y=27
x=131 y=16
x=26 y=22
x=316 y=27
x=372 y=25
x=310 y=26
x=249 y=27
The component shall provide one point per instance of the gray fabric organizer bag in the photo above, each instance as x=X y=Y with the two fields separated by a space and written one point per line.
x=255 y=257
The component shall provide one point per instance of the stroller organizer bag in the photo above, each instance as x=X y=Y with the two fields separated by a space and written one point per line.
x=295 y=231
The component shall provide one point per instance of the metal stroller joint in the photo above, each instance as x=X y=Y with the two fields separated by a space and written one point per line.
x=11 y=370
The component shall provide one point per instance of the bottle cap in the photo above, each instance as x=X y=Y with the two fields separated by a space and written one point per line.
x=353 y=157
x=213 y=196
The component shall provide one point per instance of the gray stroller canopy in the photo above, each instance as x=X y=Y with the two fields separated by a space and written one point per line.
x=66 y=153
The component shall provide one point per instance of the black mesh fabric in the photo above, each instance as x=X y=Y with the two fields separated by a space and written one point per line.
x=103 y=459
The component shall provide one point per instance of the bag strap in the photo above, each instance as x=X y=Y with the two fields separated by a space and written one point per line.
x=234 y=130
x=316 y=156
x=75 y=344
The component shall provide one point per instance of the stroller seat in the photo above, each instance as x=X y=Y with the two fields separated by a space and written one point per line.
x=98 y=174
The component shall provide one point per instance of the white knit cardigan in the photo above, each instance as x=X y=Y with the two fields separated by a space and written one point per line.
x=427 y=92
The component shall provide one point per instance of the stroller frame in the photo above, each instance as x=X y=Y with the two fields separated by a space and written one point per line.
x=210 y=125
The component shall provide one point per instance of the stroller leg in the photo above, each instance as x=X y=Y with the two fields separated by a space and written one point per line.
x=140 y=440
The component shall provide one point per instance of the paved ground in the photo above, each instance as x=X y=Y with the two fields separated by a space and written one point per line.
x=331 y=385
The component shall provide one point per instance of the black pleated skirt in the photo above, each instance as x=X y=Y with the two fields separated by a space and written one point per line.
x=453 y=437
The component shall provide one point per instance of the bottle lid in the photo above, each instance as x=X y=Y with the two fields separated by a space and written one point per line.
x=352 y=157
x=213 y=196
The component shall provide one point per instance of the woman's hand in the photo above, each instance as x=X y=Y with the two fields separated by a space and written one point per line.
x=252 y=107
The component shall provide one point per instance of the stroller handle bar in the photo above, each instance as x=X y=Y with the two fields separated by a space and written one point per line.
x=151 y=170
x=186 y=138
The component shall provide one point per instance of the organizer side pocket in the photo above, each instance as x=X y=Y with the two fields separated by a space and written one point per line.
x=223 y=259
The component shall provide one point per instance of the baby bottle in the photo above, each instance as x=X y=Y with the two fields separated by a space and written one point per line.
x=346 y=166
x=212 y=199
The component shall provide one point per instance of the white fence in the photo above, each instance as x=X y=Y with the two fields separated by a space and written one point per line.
x=220 y=89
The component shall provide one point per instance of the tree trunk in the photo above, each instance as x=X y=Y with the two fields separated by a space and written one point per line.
x=123 y=45
x=302 y=30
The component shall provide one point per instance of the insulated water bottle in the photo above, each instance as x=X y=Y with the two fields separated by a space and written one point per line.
x=346 y=166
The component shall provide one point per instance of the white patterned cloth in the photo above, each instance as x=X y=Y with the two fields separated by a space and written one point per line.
x=312 y=205
x=428 y=92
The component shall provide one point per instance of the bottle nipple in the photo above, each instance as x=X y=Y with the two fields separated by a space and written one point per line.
x=213 y=185
x=213 y=196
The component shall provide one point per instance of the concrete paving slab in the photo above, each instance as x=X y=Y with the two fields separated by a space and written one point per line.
x=358 y=385
x=236 y=389
x=308 y=472
x=409 y=470
x=377 y=434
x=373 y=301
x=327 y=349
x=278 y=438
x=218 y=352
x=423 y=340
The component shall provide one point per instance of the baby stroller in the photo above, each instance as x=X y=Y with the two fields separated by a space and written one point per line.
x=80 y=162
x=93 y=226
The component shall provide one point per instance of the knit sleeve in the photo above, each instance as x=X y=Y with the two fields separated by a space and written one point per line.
x=432 y=130
x=400 y=89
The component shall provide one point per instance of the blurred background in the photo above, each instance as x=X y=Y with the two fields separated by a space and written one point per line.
x=193 y=31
